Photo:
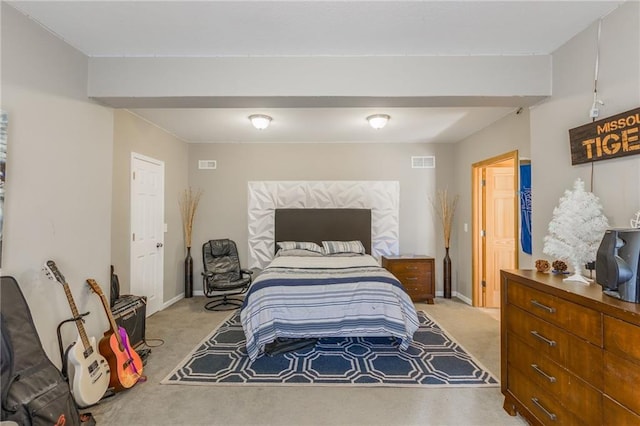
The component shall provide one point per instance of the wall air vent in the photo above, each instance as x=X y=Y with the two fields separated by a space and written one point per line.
x=425 y=162
x=207 y=164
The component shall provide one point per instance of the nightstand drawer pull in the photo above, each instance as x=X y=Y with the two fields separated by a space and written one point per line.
x=411 y=278
x=541 y=306
x=411 y=268
x=549 y=414
x=537 y=369
x=549 y=342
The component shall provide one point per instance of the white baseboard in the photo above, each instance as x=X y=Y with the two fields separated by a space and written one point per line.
x=460 y=296
x=464 y=298
x=172 y=301
x=180 y=297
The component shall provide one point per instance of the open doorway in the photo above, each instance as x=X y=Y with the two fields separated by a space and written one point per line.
x=494 y=225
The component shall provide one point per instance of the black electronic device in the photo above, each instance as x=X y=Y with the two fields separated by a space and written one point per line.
x=618 y=264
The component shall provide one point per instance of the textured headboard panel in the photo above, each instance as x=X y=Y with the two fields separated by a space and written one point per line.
x=265 y=197
x=319 y=225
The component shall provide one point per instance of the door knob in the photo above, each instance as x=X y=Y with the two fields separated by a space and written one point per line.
x=159 y=245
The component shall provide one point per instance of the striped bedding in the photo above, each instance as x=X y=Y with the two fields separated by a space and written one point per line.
x=303 y=297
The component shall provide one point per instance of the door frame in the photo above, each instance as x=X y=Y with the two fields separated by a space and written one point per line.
x=478 y=259
x=159 y=288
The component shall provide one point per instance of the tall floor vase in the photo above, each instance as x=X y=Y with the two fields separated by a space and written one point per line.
x=188 y=274
x=446 y=274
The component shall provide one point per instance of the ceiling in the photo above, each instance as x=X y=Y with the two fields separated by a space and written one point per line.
x=317 y=28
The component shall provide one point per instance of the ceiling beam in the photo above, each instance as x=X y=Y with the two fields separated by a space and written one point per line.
x=403 y=81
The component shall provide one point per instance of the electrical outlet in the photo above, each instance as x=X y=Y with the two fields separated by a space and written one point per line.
x=594 y=113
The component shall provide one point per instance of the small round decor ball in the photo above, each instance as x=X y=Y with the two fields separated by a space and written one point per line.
x=542 y=265
x=559 y=266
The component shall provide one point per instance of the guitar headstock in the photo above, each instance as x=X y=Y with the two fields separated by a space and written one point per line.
x=53 y=272
x=95 y=287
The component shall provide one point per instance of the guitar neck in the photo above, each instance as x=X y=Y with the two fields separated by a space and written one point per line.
x=107 y=310
x=78 y=320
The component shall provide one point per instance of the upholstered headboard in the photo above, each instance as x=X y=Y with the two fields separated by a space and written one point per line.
x=319 y=225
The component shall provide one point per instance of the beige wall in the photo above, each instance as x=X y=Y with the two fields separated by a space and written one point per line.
x=508 y=134
x=132 y=134
x=616 y=181
x=223 y=209
x=58 y=177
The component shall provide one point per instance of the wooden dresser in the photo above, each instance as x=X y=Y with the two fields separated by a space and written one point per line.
x=416 y=273
x=570 y=354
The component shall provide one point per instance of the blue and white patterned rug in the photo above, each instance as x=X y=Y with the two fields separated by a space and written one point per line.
x=433 y=359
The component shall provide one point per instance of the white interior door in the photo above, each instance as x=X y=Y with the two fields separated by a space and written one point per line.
x=147 y=226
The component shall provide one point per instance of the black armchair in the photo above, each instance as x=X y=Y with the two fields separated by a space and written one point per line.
x=223 y=279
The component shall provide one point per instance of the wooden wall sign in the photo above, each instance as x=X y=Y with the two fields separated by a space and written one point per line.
x=611 y=137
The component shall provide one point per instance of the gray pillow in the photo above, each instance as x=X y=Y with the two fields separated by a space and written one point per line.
x=298 y=252
x=302 y=245
x=332 y=247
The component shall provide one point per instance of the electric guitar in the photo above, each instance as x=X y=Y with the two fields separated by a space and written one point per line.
x=89 y=372
x=124 y=361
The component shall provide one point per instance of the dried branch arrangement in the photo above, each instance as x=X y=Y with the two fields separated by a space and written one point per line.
x=446 y=208
x=188 y=202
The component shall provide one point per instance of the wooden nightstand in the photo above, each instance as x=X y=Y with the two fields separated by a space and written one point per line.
x=416 y=273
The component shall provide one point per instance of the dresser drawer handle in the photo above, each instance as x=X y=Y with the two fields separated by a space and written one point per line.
x=538 y=370
x=541 y=306
x=411 y=278
x=551 y=416
x=549 y=342
x=411 y=268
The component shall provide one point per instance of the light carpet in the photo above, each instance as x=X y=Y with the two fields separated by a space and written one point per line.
x=434 y=359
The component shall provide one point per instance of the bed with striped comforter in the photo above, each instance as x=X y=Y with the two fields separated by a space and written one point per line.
x=304 y=297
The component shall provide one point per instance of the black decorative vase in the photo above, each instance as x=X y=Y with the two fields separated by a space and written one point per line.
x=188 y=274
x=446 y=274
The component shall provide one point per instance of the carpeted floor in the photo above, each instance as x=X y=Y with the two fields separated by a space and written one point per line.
x=433 y=360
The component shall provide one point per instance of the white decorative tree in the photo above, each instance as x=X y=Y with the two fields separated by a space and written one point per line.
x=576 y=229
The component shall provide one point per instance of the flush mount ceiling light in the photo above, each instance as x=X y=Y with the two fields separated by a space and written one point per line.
x=378 y=121
x=260 y=121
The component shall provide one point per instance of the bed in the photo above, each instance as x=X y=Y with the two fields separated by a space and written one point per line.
x=307 y=293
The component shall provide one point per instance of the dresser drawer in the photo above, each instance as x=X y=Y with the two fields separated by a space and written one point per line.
x=622 y=338
x=409 y=277
x=621 y=381
x=413 y=280
x=581 y=321
x=617 y=415
x=408 y=267
x=544 y=406
x=577 y=396
x=571 y=352
x=416 y=291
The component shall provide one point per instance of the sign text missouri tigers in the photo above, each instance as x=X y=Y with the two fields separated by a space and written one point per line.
x=611 y=137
